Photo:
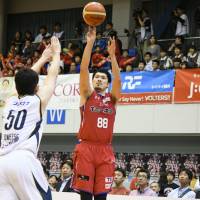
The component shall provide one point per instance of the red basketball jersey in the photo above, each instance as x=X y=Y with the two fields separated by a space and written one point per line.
x=97 y=119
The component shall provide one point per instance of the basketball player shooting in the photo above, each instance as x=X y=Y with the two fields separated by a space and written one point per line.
x=93 y=156
x=21 y=174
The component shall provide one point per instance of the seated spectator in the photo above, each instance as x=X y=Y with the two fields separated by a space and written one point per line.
x=177 y=63
x=64 y=185
x=77 y=60
x=17 y=41
x=119 y=178
x=155 y=187
x=184 y=65
x=53 y=180
x=148 y=61
x=178 y=54
x=44 y=43
x=184 y=192
x=29 y=63
x=134 y=181
x=170 y=185
x=109 y=29
x=165 y=60
x=36 y=56
x=42 y=33
x=153 y=47
x=193 y=57
x=98 y=59
x=12 y=51
x=143 y=185
x=27 y=50
x=125 y=60
x=28 y=36
x=129 y=68
x=57 y=31
x=101 y=42
x=141 y=66
x=155 y=65
x=67 y=58
x=72 y=69
x=194 y=184
x=179 y=41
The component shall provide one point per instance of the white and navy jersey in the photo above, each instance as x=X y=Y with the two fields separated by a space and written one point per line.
x=22 y=128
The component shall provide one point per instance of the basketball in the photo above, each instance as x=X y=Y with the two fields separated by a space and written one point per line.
x=94 y=14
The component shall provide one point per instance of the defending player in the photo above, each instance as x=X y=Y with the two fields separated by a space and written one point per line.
x=21 y=174
x=93 y=156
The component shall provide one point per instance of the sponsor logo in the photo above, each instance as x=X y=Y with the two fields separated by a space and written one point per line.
x=194 y=89
x=8 y=139
x=83 y=177
x=55 y=116
x=101 y=110
x=130 y=82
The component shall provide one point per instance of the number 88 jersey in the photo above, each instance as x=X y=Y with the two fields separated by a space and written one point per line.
x=22 y=128
x=97 y=119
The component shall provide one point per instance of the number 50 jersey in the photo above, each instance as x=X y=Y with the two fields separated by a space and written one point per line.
x=97 y=119
x=22 y=128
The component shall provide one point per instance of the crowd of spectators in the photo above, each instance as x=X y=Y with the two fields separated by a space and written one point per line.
x=146 y=54
x=155 y=163
x=162 y=171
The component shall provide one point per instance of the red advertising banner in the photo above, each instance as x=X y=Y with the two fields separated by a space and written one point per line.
x=146 y=98
x=187 y=86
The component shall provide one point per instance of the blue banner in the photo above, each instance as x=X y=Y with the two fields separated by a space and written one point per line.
x=56 y=116
x=142 y=82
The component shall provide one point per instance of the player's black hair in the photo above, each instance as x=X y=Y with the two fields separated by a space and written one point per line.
x=105 y=72
x=26 y=81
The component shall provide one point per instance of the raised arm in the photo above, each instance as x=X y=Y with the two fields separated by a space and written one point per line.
x=85 y=88
x=116 y=82
x=47 y=89
x=46 y=55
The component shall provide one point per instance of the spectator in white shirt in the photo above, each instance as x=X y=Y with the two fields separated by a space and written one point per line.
x=66 y=177
x=148 y=61
x=57 y=31
x=184 y=192
x=182 y=26
x=43 y=33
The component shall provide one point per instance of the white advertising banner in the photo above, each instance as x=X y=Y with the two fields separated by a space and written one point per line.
x=7 y=88
x=66 y=94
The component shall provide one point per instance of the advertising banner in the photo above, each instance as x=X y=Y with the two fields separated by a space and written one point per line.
x=187 y=86
x=147 y=87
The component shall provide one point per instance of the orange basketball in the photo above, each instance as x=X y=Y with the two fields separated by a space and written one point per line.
x=94 y=14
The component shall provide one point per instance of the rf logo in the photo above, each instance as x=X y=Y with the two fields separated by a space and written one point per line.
x=131 y=82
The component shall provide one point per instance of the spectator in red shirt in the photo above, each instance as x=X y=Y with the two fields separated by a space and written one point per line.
x=98 y=59
x=125 y=60
x=134 y=182
x=119 y=178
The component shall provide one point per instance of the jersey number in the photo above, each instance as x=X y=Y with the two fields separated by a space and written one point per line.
x=16 y=121
x=102 y=122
